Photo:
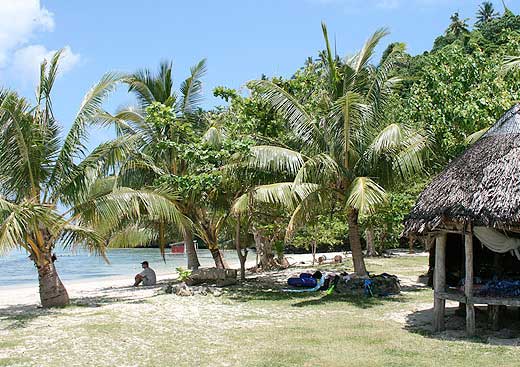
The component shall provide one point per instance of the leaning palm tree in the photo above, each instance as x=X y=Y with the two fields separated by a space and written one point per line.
x=486 y=13
x=155 y=157
x=51 y=192
x=346 y=153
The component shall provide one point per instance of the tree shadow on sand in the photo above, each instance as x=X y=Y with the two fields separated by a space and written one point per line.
x=420 y=322
x=273 y=290
x=20 y=315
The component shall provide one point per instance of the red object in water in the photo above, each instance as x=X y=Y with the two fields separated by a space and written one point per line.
x=178 y=249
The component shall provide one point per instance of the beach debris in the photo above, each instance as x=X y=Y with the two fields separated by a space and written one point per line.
x=337 y=259
x=219 y=277
x=375 y=285
x=184 y=290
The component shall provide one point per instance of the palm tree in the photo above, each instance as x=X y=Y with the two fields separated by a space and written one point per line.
x=51 y=193
x=457 y=26
x=346 y=151
x=153 y=158
x=486 y=12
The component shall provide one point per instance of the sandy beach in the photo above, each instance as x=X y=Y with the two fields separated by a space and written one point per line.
x=110 y=323
x=84 y=291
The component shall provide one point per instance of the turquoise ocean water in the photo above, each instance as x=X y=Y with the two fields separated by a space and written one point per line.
x=17 y=269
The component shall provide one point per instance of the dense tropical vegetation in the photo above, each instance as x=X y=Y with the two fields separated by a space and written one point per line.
x=334 y=156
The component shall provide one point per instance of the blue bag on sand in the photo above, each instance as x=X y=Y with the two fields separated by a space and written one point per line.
x=320 y=282
x=305 y=280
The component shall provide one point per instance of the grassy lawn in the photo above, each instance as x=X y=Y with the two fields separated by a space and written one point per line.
x=248 y=326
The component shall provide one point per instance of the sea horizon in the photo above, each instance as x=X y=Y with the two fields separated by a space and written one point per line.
x=82 y=265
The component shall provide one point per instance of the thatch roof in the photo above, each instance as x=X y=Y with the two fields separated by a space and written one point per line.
x=482 y=185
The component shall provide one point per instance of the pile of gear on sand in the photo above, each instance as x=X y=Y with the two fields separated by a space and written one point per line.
x=372 y=285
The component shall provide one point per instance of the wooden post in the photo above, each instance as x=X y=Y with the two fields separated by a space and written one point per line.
x=439 y=284
x=468 y=282
x=493 y=312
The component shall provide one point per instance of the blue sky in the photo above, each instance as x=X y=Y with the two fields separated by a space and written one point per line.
x=241 y=39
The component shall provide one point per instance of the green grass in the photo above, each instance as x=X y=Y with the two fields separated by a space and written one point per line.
x=249 y=326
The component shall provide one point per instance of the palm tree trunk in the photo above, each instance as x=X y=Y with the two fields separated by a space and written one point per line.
x=211 y=241
x=355 y=243
x=264 y=249
x=191 y=251
x=313 y=249
x=242 y=253
x=371 y=251
x=218 y=257
x=410 y=245
x=52 y=290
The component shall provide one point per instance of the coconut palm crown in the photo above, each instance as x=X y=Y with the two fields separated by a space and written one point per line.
x=486 y=12
x=154 y=156
x=347 y=153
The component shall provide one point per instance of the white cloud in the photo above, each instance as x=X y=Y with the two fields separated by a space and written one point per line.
x=26 y=61
x=20 y=22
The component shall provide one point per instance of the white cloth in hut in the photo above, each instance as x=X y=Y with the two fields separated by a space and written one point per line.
x=497 y=241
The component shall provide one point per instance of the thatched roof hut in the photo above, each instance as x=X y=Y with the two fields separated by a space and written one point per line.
x=481 y=186
x=472 y=209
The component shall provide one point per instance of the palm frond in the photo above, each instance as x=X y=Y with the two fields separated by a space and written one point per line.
x=275 y=159
x=91 y=107
x=117 y=204
x=214 y=135
x=321 y=168
x=364 y=56
x=388 y=140
x=72 y=235
x=133 y=235
x=21 y=147
x=382 y=82
x=191 y=88
x=365 y=195
x=280 y=193
x=103 y=159
x=318 y=199
x=510 y=63
x=348 y=115
x=302 y=122
x=332 y=72
x=410 y=156
x=12 y=232
x=472 y=138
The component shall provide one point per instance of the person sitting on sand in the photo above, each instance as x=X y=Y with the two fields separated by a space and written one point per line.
x=147 y=276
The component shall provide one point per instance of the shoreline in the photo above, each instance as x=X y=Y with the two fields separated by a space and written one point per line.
x=121 y=285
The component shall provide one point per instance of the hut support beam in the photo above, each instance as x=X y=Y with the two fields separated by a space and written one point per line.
x=494 y=311
x=468 y=282
x=439 y=304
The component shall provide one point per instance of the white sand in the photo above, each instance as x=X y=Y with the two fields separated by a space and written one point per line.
x=115 y=287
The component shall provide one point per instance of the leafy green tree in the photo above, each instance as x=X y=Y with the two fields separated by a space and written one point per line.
x=249 y=116
x=456 y=93
x=344 y=149
x=328 y=230
x=206 y=193
x=51 y=192
x=387 y=220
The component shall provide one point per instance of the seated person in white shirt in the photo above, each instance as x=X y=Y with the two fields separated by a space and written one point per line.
x=147 y=276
